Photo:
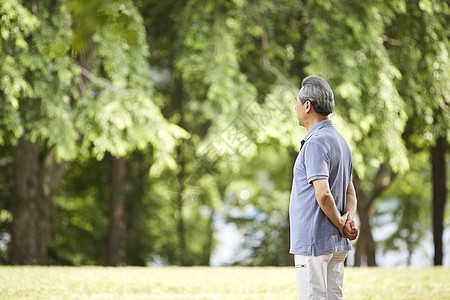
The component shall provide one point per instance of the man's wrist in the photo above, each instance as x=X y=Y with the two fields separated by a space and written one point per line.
x=350 y=217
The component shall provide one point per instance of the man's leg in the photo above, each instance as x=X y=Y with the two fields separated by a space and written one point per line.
x=311 y=273
x=335 y=275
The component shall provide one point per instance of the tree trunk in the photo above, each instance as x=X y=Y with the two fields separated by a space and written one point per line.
x=179 y=95
x=365 y=247
x=363 y=252
x=34 y=183
x=137 y=171
x=180 y=204
x=116 y=211
x=207 y=249
x=439 y=195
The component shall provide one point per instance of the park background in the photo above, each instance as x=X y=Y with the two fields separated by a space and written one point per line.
x=163 y=132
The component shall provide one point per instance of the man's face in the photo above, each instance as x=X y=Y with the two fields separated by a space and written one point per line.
x=299 y=109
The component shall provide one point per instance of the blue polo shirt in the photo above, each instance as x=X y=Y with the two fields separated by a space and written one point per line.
x=324 y=154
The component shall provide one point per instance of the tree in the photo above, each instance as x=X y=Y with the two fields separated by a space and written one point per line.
x=137 y=244
x=37 y=80
x=49 y=113
x=5 y=204
x=77 y=94
x=79 y=218
x=418 y=44
x=137 y=123
x=203 y=74
x=257 y=201
x=408 y=201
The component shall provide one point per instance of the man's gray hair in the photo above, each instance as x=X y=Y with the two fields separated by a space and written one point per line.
x=319 y=93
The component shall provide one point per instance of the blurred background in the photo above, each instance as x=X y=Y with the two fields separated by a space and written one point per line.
x=164 y=133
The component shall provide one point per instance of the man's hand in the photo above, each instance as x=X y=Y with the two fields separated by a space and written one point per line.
x=348 y=230
x=342 y=222
x=325 y=199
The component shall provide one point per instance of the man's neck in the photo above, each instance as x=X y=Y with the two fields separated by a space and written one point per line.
x=314 y=121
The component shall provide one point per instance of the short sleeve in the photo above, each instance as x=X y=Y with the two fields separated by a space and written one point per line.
x=317 y=161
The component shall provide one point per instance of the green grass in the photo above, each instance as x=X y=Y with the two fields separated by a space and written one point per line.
x=211 y=283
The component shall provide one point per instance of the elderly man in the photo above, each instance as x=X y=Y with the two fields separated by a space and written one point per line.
x=323 y=199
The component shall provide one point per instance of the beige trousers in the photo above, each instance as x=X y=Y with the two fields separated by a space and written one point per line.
x=320 y=277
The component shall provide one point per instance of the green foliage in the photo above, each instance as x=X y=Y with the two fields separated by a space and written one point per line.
x=79 y=220
x=38 y=79
x=215 y=81
x=408 y=200
x=91 y=15
x=119 y=116
x=258 y=203
x=358 y=66
x=418 y=44
x=40 y=83
x=421 y=47
x=75 y=108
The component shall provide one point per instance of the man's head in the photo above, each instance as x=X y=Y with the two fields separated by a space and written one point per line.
x=315 y=96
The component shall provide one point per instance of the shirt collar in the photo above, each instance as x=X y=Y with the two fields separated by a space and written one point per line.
x=315 y=129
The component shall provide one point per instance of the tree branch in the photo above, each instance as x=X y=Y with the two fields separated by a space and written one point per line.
x=103 y=83
x=51 y=174
x=358 y=187
x=382 y=180
x=268 y=66
x=391 y=41
x=301 y=4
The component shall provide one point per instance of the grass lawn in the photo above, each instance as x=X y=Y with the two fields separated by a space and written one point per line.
x=211 y=283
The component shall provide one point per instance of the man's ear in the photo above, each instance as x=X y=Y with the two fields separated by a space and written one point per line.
x=308 y=106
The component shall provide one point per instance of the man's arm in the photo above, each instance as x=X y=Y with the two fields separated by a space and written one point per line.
x=327 y=204
x=350 y=206
x=350 y=230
